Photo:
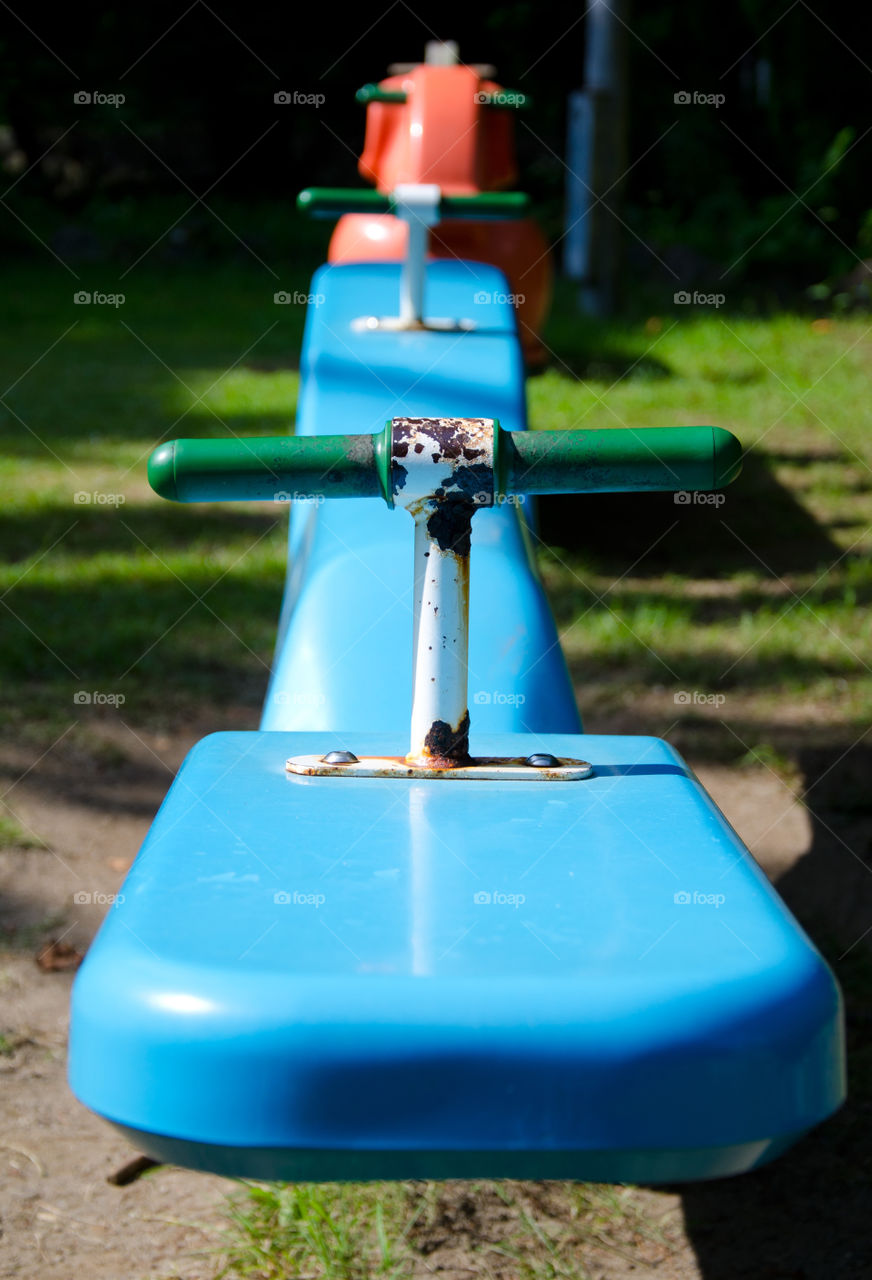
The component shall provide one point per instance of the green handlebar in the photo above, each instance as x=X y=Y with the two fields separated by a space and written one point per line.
x=375 y=93
x=331 y=202
x=396 y=97
x=664 y=458
x=293 y=468
x=270 y=468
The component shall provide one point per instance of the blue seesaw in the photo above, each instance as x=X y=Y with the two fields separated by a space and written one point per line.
x=373 y=942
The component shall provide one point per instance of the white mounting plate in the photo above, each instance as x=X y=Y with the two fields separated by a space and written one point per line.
x=485 y=769
x=397 y=324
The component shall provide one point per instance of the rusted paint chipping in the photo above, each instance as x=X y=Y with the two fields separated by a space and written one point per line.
x=467 y=484
x=450 y=526
x=445 y=745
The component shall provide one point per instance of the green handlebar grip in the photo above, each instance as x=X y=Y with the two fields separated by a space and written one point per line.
x=331 y=202
x=487 y=204
x=504 y=98
x=294 y=468
x=651 y=458
x=272 y=468
x=375 y=93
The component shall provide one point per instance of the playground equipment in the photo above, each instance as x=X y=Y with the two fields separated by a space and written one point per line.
x=419 y=924
x=440 y=121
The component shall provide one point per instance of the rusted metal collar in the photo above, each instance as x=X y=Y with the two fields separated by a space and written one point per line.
x=446 y=462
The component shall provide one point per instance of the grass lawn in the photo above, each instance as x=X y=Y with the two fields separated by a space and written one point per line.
x=739 y=630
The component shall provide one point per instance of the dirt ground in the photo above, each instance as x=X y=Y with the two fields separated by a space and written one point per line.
x=802 y=1219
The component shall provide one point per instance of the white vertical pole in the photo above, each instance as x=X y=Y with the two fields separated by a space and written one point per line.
x=416 y=204
x=440 y=718
x=412 y=274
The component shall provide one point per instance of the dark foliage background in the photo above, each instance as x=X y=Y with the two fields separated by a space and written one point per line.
x=706 y=185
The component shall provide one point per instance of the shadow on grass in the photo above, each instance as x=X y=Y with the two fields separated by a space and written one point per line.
x=180 y=610
x=102 y=530
x=760 y=526
x=596 y=360
x=806 y=1216
x=166 y=602
x=120 y=445
x=590 y=349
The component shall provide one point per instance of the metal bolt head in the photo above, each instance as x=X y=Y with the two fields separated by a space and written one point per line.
x=542 y=761
x=339 y=757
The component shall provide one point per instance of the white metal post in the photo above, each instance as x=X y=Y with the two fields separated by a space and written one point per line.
x=440 y=719
x=412 y=274
x=416 y=204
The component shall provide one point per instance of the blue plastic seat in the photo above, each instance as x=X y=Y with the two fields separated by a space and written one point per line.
x=327 y=979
